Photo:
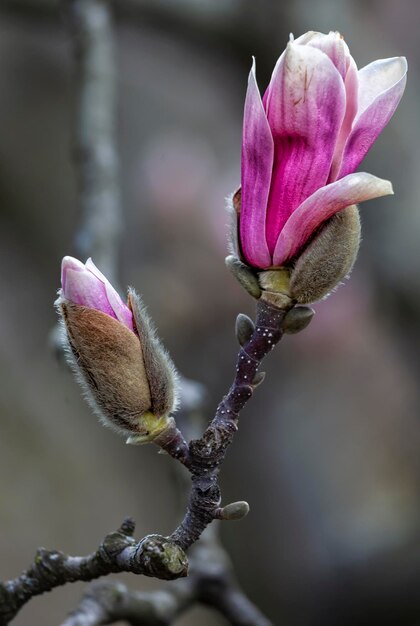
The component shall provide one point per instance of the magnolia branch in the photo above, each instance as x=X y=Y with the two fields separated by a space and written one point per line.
x=207 y=453
x=154 y=555
x=210 y=582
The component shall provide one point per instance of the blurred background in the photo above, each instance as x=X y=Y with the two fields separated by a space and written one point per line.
x=328 y=452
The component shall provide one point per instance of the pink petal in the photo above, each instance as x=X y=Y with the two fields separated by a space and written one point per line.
x=67 y=263
x=305 y=110
x=120 y=310
x=85 y=289
x=377 y=77
x=323 y=204
x=257 y=163
x=351 y=85
x=338 y=51
x=381 y=86
x=90 y=265
x=87 y=286
x=333 y=45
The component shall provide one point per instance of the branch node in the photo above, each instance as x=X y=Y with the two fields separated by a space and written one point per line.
x=127 y=527
x=159 y=557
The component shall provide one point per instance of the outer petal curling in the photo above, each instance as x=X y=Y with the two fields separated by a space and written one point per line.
x=305 y=110
x=381 y=86
x=257 y=164
x=377 y=77
x=323 y=204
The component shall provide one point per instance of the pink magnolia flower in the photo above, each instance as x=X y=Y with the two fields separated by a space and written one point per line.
x=84 y=284
x=304 y=139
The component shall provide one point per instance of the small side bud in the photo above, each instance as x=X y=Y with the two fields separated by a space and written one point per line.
x=244 y=275
x=233 y=511
x=328 y=259
x=258 y=379
x=244 y=328
x=297 y=319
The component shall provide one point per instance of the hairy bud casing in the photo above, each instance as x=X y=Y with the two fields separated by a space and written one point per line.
x=319 y=268
x=128 y=378
x=328 y=258
x=161 y=373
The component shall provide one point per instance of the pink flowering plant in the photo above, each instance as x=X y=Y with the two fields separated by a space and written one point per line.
x=295 y=236
x=303 y=141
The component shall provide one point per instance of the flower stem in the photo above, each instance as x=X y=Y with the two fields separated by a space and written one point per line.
x=207 y=453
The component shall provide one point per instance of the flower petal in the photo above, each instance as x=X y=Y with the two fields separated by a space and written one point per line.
x=120 y=310
x=82 y=287
x=90 y=265
x=69 y=262
x=257 y=163
x=378 y=77
x=305 y=110
x=84 y=284
x=381 y=86
x=351 y=85
x=338 y=51
x=322 y=205
x=332 y=44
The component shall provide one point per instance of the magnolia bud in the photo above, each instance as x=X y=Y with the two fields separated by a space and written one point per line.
x=328 y=259
x=128 y=377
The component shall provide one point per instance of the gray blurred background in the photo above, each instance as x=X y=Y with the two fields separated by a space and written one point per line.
x=328 y=450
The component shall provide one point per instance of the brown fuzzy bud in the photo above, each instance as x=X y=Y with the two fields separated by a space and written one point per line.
x=128 y=378
x=160 y=370
x=328 y=259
